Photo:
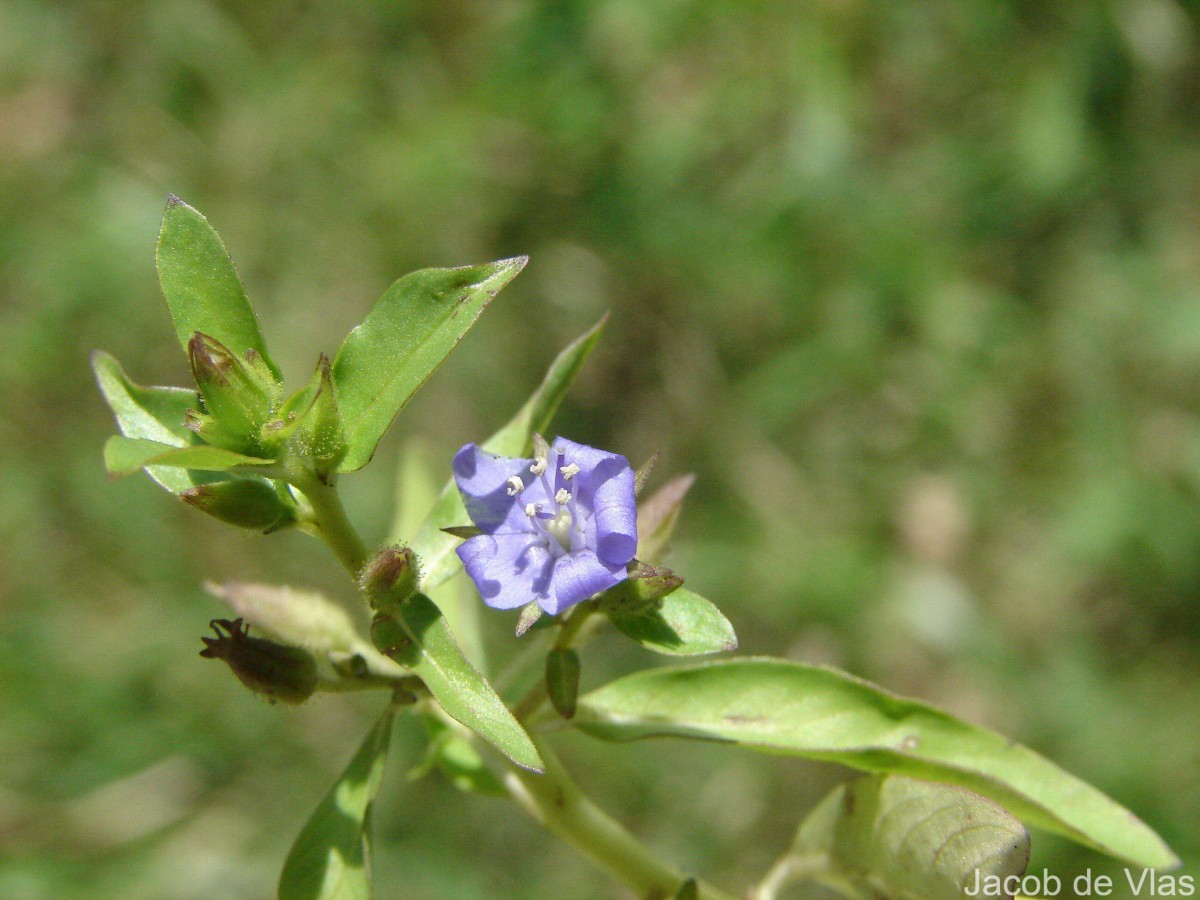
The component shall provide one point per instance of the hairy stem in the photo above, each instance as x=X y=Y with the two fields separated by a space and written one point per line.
x=329 y=521
x=557 y=802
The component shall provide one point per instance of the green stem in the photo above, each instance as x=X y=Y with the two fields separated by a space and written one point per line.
x=788 y=869
x=554 y=800
x=330 y=522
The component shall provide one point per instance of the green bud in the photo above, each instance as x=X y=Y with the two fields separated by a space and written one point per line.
x=391 y=577
x=244 y=502
x=310 y=422
x=562 y=680
x=275 y=670
x=239 y=395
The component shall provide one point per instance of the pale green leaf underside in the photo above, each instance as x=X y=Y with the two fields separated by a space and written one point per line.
x=124 y=456
x=201 y=285
x=410 y=330
x=149 y=413
x=299 y=618
x=819 y=713
x=463 y=693
x=330 y=858
x=908 y=839
x=434 y=548
x=684 y=625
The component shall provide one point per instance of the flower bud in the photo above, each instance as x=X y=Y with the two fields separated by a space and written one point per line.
x=239 y=395
x=244 y=502
x=275 y=670
x=310 y=422
x=391 y=577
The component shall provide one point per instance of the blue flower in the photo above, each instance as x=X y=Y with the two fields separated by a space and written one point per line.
x=557 y=528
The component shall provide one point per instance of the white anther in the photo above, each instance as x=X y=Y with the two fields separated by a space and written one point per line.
x=569 y=472
x=532 y=509
x=539 y=466
x=563 y=497
x=515 y=485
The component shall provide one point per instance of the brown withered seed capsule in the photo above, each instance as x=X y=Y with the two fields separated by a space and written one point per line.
x=275 y=670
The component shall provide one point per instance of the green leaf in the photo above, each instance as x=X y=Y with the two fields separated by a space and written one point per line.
x=425 y=645
x=124 y=456
x=910 y=840
x=411 y=329
x=435 y=548
x=201 y=285
x=149 y=413
x=562 y=680
x=680 y=624
x=785 y=707
x=300 y=618
x=330 y=858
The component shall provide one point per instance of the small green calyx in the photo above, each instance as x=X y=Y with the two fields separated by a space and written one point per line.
x=239 y=395
x=246 y=503
x=277 y=671
x=642 y=591
x=390 y=578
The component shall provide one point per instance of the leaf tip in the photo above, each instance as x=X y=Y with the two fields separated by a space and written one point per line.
x=173 y=201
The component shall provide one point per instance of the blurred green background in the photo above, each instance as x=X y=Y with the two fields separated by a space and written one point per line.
x=914 y=288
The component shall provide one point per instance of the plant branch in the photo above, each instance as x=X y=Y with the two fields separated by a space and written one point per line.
x=557 y=802
x=329 y=521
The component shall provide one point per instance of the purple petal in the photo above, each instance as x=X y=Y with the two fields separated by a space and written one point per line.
x=482 y=480
x=587 y=458
x=614 y=510
x=509 y=570
x=576 y=577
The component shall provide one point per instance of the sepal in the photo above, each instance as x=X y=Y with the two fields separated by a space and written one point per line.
x=244 y=502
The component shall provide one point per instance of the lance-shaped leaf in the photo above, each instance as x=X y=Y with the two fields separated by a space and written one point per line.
x=149 y=413
x=818 y=713
x=411 y=329
x=435 y=548
x=682 y=623
x=415 y=634
x=330 y=859
x=201 y=285
x=124 y=456
x=910 y=840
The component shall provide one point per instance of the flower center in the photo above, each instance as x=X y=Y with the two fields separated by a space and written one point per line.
x=560 y=528
x=558 y=522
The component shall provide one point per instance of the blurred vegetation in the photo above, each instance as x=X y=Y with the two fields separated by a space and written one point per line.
x=913 y=287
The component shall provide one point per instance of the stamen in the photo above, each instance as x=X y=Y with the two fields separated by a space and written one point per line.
x=569 y=472
x=539 y=466
x=532 y=509
x=563 y=497
x=515 y=486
